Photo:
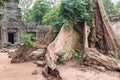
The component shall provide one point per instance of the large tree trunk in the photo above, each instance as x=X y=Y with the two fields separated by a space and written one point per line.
x=102 y=36
x=64 y=42
x=100 y=45
x=103 y=45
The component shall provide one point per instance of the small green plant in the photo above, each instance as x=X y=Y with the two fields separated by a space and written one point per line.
x=118 y=56
x=41 y=58
x=28 y=39
x=61 y=59
x=77 y=54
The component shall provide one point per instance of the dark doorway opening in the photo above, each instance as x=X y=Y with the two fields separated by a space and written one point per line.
x=11 y=38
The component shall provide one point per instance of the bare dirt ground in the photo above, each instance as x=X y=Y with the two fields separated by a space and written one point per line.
x=23 y=71
x=73 y=72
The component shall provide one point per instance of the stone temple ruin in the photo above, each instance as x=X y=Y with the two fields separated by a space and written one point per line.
x=115 y=21
x=12 y=26
x=39 y=31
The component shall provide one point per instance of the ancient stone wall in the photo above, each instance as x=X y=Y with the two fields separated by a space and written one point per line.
x=39 y=31
x=11 y=24
x=115 y=21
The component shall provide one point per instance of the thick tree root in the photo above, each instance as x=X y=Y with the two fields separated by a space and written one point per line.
x=65 y=41
x=52 y=74
x=24 y=53
x=93 y=57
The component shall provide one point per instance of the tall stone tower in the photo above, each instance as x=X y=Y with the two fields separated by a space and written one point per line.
x=11 y=24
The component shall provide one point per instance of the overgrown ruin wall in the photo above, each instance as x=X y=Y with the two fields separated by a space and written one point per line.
x=115 y=21
x=11 y=24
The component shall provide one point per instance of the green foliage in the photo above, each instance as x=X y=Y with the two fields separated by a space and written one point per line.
x=117 y=6
x=24 y=4
x=41 y=58
x=53 y=18
x=111 y=8
x=76 y=11
x=28 y=39
x=27 y=16
x=61 y=59
x=69 y=12
x=36 y=13
x=77 y=54
x=2 y=2
x=118 y=56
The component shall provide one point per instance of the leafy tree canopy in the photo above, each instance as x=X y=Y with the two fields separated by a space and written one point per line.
x=111 y=8
x=69 y=11
x=36 y=13
x=25 y=4
x=118 y=7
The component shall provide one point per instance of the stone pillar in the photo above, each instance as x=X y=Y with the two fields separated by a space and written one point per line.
x=4 y=36
x=18 y=35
